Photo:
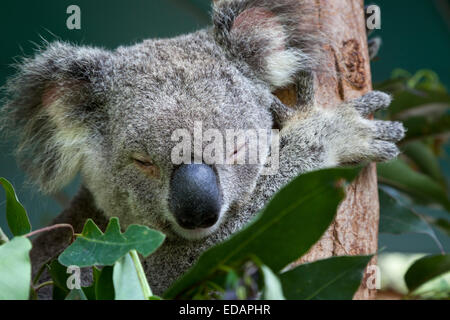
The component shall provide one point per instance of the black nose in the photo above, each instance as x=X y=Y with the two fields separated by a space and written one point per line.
x=195 y=199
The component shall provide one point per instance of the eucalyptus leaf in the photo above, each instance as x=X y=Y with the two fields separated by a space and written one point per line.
x=59 y=275
x=412 y=91
x=292 y=221
x=396 y=218
x=126 y=280
x=412 y=98
x=15 y=269
x=94 y=247
x=336 y=278
x=76 y=294
x=16 y=216
x=426 y=161
x=426 y=269
x=442 y=224
x=272 y=285
x=104 y=286
x=399 y=175
x=402 y=80
x=420 y=127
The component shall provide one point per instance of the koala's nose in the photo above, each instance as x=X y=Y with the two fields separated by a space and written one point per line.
x=195 y=198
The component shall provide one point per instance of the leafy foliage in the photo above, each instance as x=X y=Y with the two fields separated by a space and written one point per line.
x=286 y=228
x=423 y=104
x=333 y=278
x=104 y=287
x=126 y=281
x=397 y=218
x=417 y=181
x=420 y=186
x=59 y=275
x=93 y=247
x=15 y=269
x=287 y=219
x=272 y=285
x=16 y=216
x=76 y=294
x=425 y=269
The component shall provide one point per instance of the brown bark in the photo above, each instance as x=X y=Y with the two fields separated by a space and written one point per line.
x=355 y=229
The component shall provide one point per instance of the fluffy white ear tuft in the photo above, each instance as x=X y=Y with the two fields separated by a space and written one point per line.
x=283 y=65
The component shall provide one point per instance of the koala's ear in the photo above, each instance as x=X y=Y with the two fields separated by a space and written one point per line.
x=53 y=105
x=270 y=36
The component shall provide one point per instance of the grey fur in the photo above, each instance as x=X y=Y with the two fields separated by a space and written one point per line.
x=80 y=109
x=374 y=45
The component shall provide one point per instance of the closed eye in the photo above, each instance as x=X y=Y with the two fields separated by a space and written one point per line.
x=145 y=164
x=237 y=152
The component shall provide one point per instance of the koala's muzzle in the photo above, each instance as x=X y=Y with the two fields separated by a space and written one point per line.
x=195 y=198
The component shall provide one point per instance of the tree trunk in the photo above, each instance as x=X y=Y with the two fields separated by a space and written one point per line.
x=355 y=229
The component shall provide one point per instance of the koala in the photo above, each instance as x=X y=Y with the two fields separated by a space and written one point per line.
x=110 y=115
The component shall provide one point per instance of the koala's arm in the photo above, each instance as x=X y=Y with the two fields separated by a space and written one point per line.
x=319 y=138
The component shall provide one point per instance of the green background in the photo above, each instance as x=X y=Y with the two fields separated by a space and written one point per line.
x=415 y=35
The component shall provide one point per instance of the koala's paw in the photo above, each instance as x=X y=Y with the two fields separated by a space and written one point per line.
x=386 y=134
x=371 y=102
x=368 y=139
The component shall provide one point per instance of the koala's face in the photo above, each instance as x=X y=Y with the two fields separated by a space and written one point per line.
x=172 y=92
x=120 y=116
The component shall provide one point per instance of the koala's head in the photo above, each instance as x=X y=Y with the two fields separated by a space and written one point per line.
x=116 y=116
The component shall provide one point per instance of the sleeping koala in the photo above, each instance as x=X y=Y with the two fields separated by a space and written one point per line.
x=111 y=116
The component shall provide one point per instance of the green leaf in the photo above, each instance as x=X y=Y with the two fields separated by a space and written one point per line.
x=272 y=285
x=76 y=294
x=284 y=230
x=442 y=224
x=425 y=269
x=402 y=80
x=104 y=286
x=411 y=91
x=423 y=126
x=423 y=157
x=396 y=218
x=126 y=281
x=408 y=99
x=336 y=278
x=15 y=269
x=59 y=275
x=16 y=215
x=93 y=247
x=399 y=175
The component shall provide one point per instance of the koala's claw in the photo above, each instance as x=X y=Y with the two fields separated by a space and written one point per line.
x=362 y=139
x=386 y=134
x=392 y=131
x=384 y=150
x=371 y=102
